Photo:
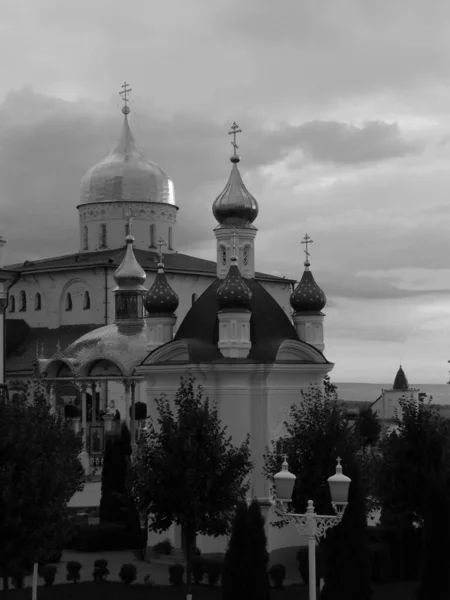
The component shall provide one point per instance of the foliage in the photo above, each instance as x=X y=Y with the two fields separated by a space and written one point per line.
x=116 y=502
x=277 y=575
x=198 y=569
x=101 y=570
x=367 y=428
x=49 y=574
x=347 y=567
x=149 y=582
x=106 y=537
x=163 y=547
x=397 y=552
x=435 y=572
x=140 y=411
x=71 y=411
x=419 y=445
x=39 y=473
x=245 y=573
x=213 y=570
x=176 y=573
x=128 y=573
x=186 y=469
x=73 y=571
x=18 y=577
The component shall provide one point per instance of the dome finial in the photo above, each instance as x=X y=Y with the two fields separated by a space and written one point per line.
x=129 y=215
x=235 y=129
x=160 y=243
x=307 y=240
x=234 y=256
x=124 y=94
x=161 y=298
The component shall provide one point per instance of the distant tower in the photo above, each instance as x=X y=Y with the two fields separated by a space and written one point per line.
x=235 y=209
x=307 y=301
x=386 y=404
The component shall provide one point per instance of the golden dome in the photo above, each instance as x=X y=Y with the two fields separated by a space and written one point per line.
x=126 y=175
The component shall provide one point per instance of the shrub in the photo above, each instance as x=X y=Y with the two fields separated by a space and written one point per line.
x=148 y=581
x=128 y=573
x=198 y=569
x=164 y=547
x=101 y=570
x=277 y=575
x=49 y=574
x=303 y=564
x=176 y=573
x=213 y=569
x=73 y=571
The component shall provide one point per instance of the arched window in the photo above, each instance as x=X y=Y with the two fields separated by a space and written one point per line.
x=223 y=255
x=170 y=239
x=86 y=301
x=37 y=301
x=152 y=237
x=23 y=301
x=69 y=301
x=103 y=236
x=85 y=238
x=246 y=257
x=194 y=298
x=12 y=304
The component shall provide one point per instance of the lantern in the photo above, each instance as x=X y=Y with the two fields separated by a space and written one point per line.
x=339 y=485
x=284 y=483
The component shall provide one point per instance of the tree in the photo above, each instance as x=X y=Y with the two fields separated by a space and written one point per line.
x=245 y=573
x=39 y=473
x=347 y=567
x=435 y=576
x=186 y=469
x=419 y=443
x=368 y=428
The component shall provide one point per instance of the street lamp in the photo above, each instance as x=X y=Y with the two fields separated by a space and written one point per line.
x=309 y=524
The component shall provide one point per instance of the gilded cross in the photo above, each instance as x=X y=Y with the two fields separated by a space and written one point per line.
x=234 y=131
x=124 y=94
x=234 y=242
x=307 y=240
x=129 y=214
x=161 y=243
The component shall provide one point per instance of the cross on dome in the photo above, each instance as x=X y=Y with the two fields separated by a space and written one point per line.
x=235 y=129
x=307 y=240
x=129 y=215
x=233 y=237
x=160 y=243
x=124 y=94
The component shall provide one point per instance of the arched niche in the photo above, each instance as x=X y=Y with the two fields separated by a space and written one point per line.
x=104 y=368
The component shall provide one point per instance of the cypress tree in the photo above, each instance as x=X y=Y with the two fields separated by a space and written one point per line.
x=108 y=510
x=347 y=567
x=258 y=553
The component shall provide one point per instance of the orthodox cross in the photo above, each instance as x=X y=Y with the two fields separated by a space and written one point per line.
x=161 y=243
x=234 y=242
x=307 y=240
x=124 y=94
x=129 y=214
x=234 y=131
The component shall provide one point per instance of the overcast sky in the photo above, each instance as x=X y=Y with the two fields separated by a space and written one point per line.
x=345 y=111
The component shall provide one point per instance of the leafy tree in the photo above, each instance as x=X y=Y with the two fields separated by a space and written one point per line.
x=245 y=573
x=39 y=473
x=419 y=443
x=435 y=576
x=368 y=428
x=186 y=469
x=347 y=567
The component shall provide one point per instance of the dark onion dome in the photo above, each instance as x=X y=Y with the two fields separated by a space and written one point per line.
x=233 y=293
x=400 y=383
x=235 y=206
x=161 y=298
x=130 y=275
x=307 y=296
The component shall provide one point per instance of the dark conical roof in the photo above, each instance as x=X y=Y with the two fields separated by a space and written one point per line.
x=307 y=296
x=161 y=298
x=400 y=382
x=234 y=292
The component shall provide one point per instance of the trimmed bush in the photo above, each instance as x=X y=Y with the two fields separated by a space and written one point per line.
x=49 y=574
x=101 y=571
x=198 y=569
x=213 y=570
x=176 y=573
x=105 y=537
x=18 y=578
x=303 y=564
x=277 y=575
x=128 y=573
x=164 y=547
x=73 y=571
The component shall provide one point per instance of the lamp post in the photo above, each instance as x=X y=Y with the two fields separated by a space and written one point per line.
x=309 y=524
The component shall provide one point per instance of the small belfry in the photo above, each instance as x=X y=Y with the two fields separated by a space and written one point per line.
x=160 y=302
x=235 y=209
x=307 y=301
x=233 y=301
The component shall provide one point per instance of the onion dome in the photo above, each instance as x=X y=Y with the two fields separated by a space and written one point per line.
x=126 y=175
x=161 y=298
x=307 y=296
x=400 y=383
x=233 y=293
x=130 y=275
x=235 y=206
